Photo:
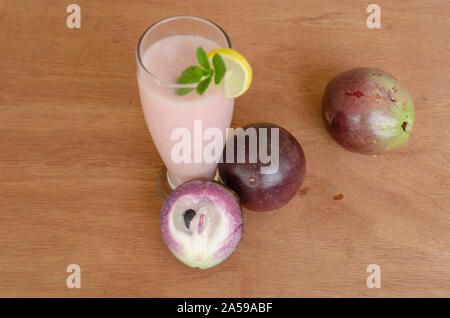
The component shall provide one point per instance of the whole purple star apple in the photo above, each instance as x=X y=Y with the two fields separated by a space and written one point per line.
x=262 y=184
x=368 y=111
x=201 y=223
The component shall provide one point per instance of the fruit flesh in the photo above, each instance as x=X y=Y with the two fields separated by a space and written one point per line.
x=367 y=111
x=265 y=192
x=201 y=223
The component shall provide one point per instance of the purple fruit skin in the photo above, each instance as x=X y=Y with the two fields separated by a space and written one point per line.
x=267 y=191
x=205 y=190
x=351 y=98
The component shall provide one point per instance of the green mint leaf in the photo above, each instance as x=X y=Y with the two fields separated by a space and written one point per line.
x=184 y=91
x=219 y=67
x=192 y=74
x=202 y=75
x=202 y=58
x=203 y=85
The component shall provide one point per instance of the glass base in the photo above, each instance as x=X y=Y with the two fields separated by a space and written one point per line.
x=165 y=186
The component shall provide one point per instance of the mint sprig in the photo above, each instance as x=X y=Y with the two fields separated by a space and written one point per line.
x=202 y=74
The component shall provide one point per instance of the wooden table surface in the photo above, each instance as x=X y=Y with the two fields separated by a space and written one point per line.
x=78 y=167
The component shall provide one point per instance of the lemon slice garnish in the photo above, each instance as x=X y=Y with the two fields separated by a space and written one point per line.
x=238 y=76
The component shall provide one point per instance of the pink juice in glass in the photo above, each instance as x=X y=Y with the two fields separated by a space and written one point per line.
x=165 y=110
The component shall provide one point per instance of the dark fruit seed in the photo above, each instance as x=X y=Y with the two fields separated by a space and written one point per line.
x=188 y=216
x=404 y=125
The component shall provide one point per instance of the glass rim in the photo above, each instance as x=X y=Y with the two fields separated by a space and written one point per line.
x=174 y=18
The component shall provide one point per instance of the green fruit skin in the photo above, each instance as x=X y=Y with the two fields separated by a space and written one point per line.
x=368 y=111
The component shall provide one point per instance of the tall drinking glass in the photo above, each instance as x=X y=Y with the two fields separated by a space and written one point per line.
x=177 y=123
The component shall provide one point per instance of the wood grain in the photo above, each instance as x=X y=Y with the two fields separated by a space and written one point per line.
x=78 y=167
